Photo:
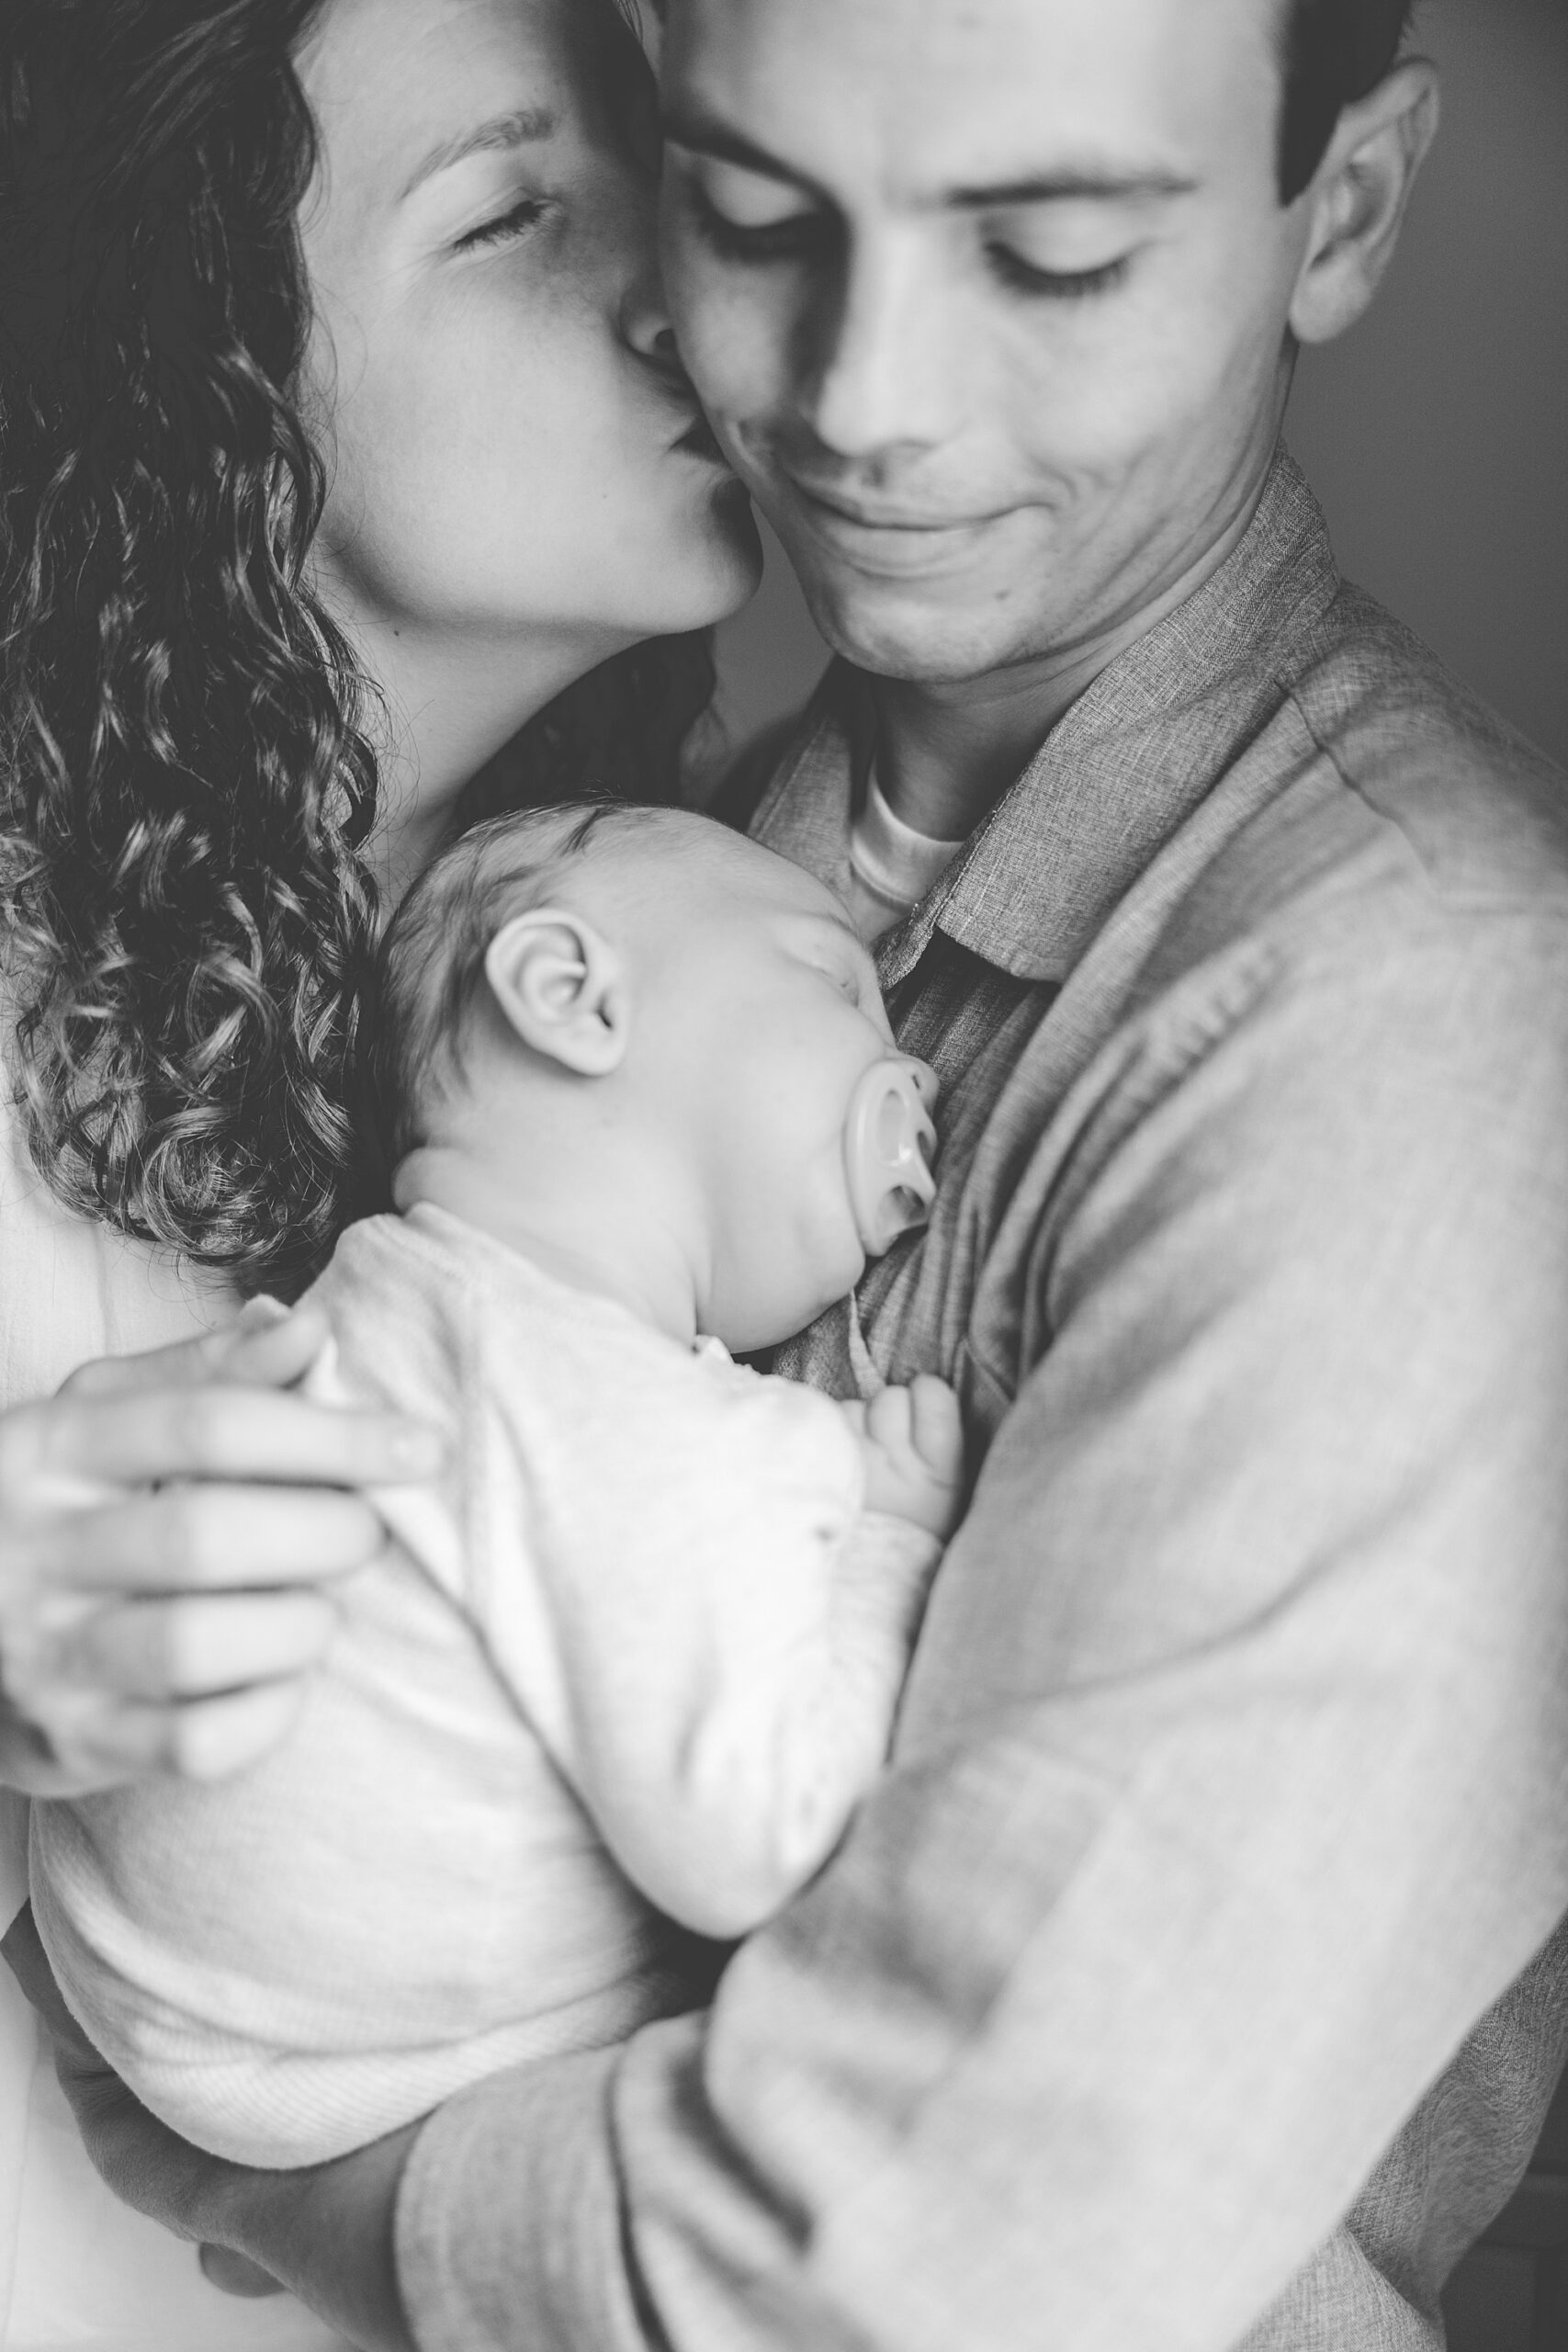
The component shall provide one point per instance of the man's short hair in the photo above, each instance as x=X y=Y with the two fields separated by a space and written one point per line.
x=1336 y=50
x=431 y=959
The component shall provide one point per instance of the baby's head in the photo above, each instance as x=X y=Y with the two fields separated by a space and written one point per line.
x=637 y=1033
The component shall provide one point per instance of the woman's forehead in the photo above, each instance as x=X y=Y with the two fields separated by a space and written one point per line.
x=401 y=89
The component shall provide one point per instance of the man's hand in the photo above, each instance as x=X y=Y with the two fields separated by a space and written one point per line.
x=141 y=2161
x=326 y=2232
x=913 y=1440
x=170 y=1528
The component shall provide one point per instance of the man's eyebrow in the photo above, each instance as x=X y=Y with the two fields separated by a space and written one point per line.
x=521 y=127
x=703 y=136
x=1073 y=186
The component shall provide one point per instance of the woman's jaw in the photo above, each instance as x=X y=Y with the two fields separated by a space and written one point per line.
x=521 y=481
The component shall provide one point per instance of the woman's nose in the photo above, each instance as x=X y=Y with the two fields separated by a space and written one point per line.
x=646 y=325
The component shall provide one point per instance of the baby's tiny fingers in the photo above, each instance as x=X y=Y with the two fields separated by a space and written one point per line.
x=937 y=1426
x=887 y=1419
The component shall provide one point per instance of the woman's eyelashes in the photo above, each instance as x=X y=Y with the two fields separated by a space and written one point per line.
x=525 y=213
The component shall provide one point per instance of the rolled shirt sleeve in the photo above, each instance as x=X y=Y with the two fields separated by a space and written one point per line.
x=1232 y=1781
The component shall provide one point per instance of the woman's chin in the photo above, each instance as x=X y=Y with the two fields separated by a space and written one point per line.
x=714 y=565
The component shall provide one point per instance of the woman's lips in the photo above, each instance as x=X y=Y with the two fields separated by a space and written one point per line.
x=697 y=441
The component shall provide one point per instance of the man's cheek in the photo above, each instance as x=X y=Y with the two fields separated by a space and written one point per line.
x=730 y=344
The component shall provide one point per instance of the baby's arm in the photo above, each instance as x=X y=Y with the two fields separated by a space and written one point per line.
x=911 y=1443
x=726 y=1698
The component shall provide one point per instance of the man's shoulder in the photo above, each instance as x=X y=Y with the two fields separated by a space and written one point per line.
x=1480 y=813
x=1378 y=800
x=1384 y=850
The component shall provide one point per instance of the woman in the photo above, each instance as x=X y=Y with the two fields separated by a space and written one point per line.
x=346 y=461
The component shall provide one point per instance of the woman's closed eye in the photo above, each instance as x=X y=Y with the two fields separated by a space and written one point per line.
x=525 y=213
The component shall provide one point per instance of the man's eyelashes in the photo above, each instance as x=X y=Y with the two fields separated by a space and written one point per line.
x=806 y=235
x=791 y=238
x=1028 y=278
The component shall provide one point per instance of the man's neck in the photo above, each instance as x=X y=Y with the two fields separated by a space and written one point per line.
x=947 y=752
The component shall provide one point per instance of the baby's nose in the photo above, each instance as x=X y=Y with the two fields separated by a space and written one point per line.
x=889 y=1143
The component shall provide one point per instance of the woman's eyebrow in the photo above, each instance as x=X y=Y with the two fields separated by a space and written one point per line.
x=523 y=126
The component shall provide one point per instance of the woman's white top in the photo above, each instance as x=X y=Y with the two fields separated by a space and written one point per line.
x=78 y=2269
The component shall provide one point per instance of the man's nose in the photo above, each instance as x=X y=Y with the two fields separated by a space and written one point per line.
x=886 y=371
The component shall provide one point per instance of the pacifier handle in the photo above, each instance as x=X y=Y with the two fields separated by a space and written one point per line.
x=889 y=1142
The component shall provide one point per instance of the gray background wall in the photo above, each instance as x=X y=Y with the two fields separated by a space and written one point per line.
x=1436 y=432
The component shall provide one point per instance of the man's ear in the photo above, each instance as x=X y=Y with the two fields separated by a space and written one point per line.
x=1358 y=200
x=561 y=986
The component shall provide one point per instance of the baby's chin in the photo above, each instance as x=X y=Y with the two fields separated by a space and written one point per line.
x=751 y=1327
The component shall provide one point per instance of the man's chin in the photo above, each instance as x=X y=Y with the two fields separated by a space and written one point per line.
x=922 y=631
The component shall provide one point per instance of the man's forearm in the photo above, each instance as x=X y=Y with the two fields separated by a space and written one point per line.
x=326 y=2232
x=1229 y=1785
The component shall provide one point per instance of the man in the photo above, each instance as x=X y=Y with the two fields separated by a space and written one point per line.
x=1191 y=1980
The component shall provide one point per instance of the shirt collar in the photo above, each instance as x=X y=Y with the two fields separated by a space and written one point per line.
x=1113 y=780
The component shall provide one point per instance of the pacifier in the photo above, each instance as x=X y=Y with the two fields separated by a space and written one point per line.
x=888 y=1143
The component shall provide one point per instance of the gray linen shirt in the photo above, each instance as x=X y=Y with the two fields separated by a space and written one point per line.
x=1165 y=1988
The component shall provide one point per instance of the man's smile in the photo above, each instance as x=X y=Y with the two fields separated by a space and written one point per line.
x=885 y=535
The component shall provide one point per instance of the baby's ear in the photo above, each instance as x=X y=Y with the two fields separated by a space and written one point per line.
x=561 y=986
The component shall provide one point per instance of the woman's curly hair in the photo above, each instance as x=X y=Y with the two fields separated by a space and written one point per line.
x=186 y=787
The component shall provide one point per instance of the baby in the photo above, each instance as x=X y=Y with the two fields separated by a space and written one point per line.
x=634 y=1659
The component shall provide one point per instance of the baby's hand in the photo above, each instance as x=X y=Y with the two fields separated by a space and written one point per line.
x=914 y=1454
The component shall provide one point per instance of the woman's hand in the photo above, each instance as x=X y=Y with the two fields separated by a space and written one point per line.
x=171 y=1525
x=327 y=2233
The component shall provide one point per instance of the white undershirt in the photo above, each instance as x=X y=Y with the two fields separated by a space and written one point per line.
x=891 y=865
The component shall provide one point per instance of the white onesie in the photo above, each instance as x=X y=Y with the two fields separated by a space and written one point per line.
x=636 y=1653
